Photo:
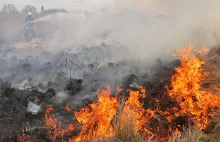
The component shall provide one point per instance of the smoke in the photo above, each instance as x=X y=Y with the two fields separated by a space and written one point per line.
x=135 y=29
x=131 y=34
x=129 y=30
x=197 y=21
x=60 y=97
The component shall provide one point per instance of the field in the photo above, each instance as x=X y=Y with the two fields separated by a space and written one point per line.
x=65 y=95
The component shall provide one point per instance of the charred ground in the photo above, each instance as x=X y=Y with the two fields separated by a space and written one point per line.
x=17 y=114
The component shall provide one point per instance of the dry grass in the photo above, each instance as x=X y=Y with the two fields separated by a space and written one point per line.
x=126 y=133
x=124 y=130
x=212 y=65
x=214 y=128
x=192 y=134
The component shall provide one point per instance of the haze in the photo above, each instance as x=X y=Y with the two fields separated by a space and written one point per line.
x=67 y=4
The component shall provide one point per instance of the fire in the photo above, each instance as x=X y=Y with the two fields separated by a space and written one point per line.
x=186 y=83
x=112 y=116
x=68 y=108
x=55 y=126
x=35 y=45
x=29 y=45
x=96 y=118
x=21 y=46
x=133 y=109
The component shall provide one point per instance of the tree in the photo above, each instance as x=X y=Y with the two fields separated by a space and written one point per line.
x=29 y=8
x=8 y=8
x=53 y=11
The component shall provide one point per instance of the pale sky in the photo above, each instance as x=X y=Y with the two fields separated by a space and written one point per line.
x=67 y=4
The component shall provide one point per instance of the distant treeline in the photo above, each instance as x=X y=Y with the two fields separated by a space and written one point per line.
x=11 y=9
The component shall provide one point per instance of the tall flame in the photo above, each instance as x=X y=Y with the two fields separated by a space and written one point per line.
x=133 y=108
x=96 y=118
x=186 y=89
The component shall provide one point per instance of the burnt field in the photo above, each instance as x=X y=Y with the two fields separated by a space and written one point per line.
x=122 y=76
x=72 y=99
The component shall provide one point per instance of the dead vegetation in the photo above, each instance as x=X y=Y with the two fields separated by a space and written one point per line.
x=212 y=65
x=214 y=128
x=126 y=131
x=190 y=134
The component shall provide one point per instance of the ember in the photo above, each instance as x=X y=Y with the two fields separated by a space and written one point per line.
x=67 y=108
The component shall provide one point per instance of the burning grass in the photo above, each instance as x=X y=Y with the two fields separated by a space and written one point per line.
x=96 y=118
x=184 y=112
x=191 y=134
x=125 y=119
x=186 y=88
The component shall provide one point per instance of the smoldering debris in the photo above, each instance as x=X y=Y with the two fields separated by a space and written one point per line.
x=33 y=85
x=54 y=84
x=66 y=75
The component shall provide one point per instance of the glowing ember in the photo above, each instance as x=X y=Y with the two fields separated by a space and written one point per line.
x=23 y=137
x=21 y=46
x=67 y=108
x=29 y=45
x=200 y=105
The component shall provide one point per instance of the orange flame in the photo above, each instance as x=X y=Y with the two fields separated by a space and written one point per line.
x=186 y=90
x=96 y=118
x=23 y=137
x=134 y=108
x=68 y=108
x=56 y=129
x=21 y=46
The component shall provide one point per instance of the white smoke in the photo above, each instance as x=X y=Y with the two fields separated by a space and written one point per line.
x=136 y=29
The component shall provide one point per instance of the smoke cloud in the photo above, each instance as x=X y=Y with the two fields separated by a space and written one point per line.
x=136 y=29
x=132 y=30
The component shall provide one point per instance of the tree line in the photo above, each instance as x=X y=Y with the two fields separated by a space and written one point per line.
x=10 y=8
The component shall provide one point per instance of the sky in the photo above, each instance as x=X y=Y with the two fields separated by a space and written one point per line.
x=67 y=4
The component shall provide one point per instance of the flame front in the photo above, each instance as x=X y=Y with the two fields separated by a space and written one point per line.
x=96 y=118
x=133 y=109
x=186 y=89
x=110 y=115
x=55 y=126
